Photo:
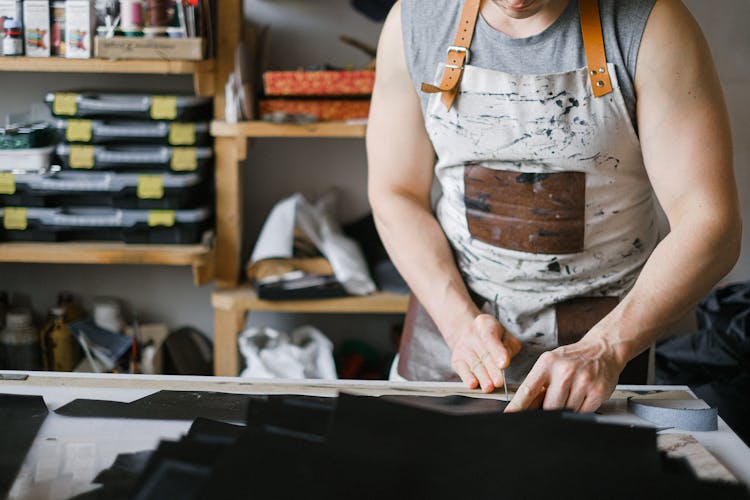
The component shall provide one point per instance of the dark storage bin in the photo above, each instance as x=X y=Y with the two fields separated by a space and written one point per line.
x=91 y=104
x=142 y=132
x=102 y=224
x=109 y=189
x=129 y=158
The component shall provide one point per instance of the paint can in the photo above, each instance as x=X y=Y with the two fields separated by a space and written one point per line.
x=159 y=12
x=131 y=14
x=13 y=39
x=57 y=34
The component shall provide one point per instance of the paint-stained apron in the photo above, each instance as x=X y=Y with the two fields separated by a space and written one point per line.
x=546 y=204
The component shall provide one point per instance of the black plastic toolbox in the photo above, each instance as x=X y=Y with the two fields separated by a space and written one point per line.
x=114 y=131
x=92 y=104
x=129 y=158
x=107 y=189
x=102 y=224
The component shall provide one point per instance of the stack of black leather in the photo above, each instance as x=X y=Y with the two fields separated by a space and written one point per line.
x=412 y=447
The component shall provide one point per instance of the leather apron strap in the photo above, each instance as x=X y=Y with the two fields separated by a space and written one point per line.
x=593 y=43
x=459 y=52
x=458 y=55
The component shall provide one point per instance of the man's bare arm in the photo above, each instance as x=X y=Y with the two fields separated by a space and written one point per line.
x=401 y=162
x=686 y=143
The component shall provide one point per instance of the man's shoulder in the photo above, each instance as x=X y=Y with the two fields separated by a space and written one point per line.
x=425 y=11
x=626 y=10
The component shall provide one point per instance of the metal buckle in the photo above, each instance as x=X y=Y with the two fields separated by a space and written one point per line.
x=455 y=48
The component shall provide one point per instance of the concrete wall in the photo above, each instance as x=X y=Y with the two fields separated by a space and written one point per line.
x=305 y=32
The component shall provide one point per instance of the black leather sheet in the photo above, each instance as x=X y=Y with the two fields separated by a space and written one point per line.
x=165 y=405
x=21 y=417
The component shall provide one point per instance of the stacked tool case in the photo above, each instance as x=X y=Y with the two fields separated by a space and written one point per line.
x=134 y=168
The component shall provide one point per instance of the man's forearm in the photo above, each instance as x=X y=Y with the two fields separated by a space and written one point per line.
x=420 y=251
x=681 y=271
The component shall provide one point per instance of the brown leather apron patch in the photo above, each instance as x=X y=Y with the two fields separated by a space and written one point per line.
x=536 y=213
x=577 y=316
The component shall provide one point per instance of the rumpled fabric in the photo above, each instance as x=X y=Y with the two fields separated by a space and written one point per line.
x=319 y=223
x=715 y=360
x=306 y=353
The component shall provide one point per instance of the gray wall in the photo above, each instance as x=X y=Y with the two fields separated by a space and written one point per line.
x=305 y=32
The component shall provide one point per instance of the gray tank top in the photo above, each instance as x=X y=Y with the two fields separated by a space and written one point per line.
x=429 y=27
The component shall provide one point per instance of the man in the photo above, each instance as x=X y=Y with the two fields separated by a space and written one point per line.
x=542 y=254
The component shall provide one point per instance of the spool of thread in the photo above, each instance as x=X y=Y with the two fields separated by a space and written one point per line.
x=159 y=12
x=131 y=13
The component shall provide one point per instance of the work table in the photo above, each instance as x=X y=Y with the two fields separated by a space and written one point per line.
x=68 y=452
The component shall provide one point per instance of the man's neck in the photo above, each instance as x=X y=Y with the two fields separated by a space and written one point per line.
x=522 y=25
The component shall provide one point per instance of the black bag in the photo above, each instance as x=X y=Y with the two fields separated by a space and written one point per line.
x=715 y=361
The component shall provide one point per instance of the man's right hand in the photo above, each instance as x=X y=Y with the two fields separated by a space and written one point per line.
x=482 y=351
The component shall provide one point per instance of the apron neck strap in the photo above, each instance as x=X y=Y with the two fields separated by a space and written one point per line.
x=593 y=43
x=459 y=53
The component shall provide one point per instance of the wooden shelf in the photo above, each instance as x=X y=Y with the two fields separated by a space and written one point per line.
x=202 y=71
x=245 y=299
x=62 y=65
x=264 y=129
x=199 y=257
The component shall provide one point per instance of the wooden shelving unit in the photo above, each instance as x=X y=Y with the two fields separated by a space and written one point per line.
x=232 y=306
x=247 y=300
x=199 y=257
x=202 y=71
x=209 y=77
x=256 y=129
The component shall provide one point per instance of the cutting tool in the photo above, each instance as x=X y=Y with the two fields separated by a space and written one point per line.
x=496 y=313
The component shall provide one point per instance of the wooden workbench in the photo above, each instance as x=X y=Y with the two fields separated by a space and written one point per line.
x=69 y=452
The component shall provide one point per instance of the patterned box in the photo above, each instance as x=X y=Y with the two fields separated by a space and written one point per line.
x=318 y=83
x=332 y=109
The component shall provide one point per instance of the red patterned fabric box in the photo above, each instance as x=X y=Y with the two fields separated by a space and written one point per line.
x=323 y=109
x=318 y=83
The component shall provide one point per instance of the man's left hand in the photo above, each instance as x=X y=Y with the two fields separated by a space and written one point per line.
x=579 y=377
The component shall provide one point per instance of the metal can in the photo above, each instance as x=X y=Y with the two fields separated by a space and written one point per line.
x=57 y=33
x=13 y=39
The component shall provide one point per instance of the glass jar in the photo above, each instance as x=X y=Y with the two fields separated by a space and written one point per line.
x=19 y=343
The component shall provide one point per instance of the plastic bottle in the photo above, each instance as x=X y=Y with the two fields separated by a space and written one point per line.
x=13 y=39
x=108 y=315
x=60 y=350
x=3 y=308
x=73 y=310
x=19 y=343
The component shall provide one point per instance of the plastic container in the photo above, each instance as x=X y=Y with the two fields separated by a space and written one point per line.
x=19 y=342
x=26 y=160
x=13 y=38
x=129 y=158
x=142 y=132
x=109 y=189
x=108 y=315
x=27 y=136
x=100 y=224
x=60 y=349
x=89 y=104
